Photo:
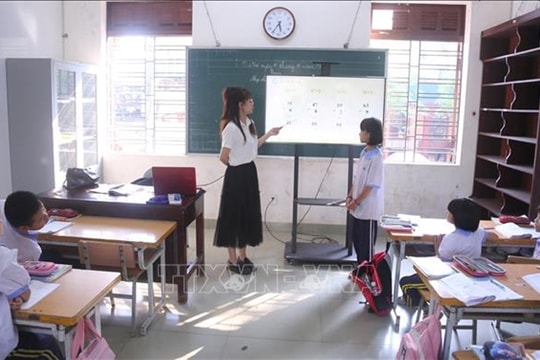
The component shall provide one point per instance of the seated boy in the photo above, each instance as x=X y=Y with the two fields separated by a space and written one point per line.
x=22 y=212
x=14 y=290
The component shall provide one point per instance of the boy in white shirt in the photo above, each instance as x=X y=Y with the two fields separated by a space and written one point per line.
x=14 y=291
x=22 y=212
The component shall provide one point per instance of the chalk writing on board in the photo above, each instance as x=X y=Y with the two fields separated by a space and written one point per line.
x=210 y=70
x=324 y=110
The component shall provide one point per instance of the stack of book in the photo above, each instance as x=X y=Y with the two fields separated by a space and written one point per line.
x=60 y=270
x=396 y=223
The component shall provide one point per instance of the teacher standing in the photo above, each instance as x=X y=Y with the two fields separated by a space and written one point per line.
x=239 y=221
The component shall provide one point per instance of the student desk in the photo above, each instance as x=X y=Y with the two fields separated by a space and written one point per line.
x=179 y=269
x=79 y=294
x=425 y=232
x=526 y=309
x=142 y=234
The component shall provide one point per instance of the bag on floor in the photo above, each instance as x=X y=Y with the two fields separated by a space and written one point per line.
x=88 y=344
x=423 y=341
x=374 y=279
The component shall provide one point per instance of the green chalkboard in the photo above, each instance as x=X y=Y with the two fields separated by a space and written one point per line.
x=209 y=70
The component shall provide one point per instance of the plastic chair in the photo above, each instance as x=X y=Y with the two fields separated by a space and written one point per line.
x=99 y=255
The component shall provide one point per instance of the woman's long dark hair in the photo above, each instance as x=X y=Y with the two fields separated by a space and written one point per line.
x=232 y=97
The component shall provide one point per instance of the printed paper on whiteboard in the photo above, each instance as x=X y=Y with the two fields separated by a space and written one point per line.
x=324 y=109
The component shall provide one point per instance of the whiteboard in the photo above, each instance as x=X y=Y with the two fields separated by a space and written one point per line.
x=323 y=109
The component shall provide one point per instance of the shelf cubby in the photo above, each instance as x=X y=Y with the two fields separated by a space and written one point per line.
x=507 y=169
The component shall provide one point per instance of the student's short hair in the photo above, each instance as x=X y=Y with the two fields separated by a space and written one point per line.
x=20 y=207
x=466 y=213
x=374 y=127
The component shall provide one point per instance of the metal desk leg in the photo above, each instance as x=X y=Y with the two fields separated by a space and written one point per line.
x=451 y=323
x=152 y=307
x=398 y=258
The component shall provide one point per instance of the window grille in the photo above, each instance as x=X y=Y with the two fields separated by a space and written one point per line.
x=425 y=57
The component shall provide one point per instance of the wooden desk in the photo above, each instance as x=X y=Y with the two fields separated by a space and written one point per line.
x=425 y=232
x=526 y=309
x=143 y=234
x=179 y=269
x=79 y=294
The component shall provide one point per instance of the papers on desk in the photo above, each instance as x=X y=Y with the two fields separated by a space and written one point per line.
x=513 y=231
x=431 y=266
x=533 y=280
x=52 y=226
x=38 y=290
x=125 y=189
x=474 y=291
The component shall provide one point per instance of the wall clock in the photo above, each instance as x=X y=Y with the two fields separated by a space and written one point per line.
x=279 y=23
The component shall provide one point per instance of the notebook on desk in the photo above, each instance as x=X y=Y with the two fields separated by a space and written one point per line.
x=174 y=180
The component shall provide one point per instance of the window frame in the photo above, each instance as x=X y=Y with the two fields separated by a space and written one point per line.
x=423 y=23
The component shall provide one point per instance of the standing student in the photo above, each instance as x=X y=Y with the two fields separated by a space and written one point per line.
x=466 y=240
x=365 y=201
x=14 y=291
x=239 y=221
x=22 y=212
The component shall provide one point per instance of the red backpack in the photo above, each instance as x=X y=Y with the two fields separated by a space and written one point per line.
x=374 y=279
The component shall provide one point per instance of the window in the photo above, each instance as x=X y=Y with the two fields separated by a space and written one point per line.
x=425 y=53
x=147 y=94
x=147 y=76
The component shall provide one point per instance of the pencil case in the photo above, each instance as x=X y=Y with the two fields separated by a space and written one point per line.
x=39 y=268
x=469 y=266
x=492 y=268
x=478 y=266
x=520 y=220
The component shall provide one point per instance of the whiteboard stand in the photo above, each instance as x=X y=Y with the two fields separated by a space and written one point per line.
x=308 y=252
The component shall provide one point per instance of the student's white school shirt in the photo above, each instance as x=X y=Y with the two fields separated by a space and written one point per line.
x=241 y=152
x=27 y=246
x=462 y=242
x=369 y=172
x=14 y=280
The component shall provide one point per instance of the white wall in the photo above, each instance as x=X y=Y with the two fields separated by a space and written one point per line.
x=27 y=29
x=418 y=189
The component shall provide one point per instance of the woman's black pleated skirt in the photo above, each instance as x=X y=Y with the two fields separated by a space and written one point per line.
x=239 y=221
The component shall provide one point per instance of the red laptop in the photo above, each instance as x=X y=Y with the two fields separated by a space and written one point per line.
x=174 y=180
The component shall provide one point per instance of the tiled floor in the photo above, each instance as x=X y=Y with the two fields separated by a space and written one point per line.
x=282 y=311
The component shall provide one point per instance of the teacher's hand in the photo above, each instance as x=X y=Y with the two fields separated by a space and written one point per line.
x=275 y=130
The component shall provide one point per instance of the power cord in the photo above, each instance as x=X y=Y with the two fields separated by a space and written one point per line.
x=266 y=223
x=312 y=238
x=211 y=182
x=318 y=238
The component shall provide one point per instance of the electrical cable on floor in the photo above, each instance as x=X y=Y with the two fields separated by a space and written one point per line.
x=266 y=224
x=316 y=238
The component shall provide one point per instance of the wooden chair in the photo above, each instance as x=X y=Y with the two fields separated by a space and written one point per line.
x=101 y=255
x=514 y=259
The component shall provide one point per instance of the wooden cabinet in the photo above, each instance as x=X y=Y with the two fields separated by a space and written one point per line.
x=507 y=170
x=53 y=120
